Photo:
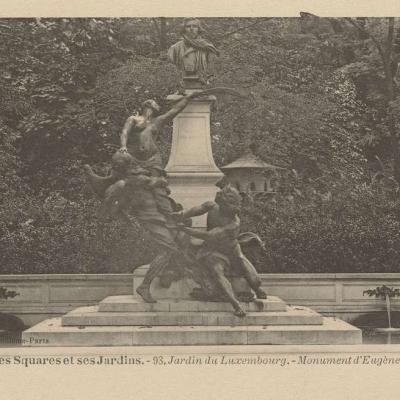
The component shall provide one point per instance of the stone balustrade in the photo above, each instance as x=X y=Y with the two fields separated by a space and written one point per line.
x=49 y=295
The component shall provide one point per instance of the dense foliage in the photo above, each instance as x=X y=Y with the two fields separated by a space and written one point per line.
x=321 y=103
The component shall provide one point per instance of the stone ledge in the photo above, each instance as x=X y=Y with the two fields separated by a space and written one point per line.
x=50 y=333
x=90 y=316
x=134 y=304
x=264 y=276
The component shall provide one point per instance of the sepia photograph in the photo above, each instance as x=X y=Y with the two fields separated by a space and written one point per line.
x=171 y=181
x=200 y=190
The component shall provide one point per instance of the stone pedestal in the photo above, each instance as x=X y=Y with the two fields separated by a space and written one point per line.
x=192 y=173
x=128 y=321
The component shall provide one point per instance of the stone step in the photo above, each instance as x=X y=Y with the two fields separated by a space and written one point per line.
x=134 y=304
x=51 y=333
x=89 y=316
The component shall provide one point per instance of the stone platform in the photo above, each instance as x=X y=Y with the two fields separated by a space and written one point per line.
x=128 y=321
x=134 y=304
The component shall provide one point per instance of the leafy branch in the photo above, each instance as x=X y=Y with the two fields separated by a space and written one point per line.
x=241 y=29
x=5 y=293
x=382 y=292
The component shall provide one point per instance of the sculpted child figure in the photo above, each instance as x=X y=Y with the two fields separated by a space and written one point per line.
x=220 y=252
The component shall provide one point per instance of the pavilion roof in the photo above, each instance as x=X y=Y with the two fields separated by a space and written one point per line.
x=249 y=161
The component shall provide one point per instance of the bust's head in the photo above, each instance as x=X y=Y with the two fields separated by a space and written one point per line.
x=191 y=27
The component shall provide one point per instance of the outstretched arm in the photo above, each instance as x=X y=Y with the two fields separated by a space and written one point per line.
x=183 y=215
x=178 y=107
x=184 y=101
x=129 y=124
x=198 y=210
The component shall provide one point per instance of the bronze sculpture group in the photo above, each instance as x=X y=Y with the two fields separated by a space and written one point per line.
x=137 y=186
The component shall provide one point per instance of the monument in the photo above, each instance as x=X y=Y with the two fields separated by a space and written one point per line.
x=217 y=298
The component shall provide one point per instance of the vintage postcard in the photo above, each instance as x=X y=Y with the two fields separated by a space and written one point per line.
x=200 y=200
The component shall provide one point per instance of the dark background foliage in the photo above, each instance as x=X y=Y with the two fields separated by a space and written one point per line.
x=321 y=102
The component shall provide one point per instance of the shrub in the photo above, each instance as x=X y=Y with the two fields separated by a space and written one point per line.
x=354 y=230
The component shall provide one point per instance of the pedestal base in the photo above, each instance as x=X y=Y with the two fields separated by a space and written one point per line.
x=192 y=173
x=126 y=321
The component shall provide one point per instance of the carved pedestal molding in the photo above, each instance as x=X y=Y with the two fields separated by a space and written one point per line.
x=191 y=169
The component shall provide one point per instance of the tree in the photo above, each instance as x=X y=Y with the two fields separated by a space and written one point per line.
x=314 y=106
x=374 y=70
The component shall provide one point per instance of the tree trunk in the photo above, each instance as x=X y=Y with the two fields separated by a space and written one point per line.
x=163 y=33
x=160 y=25
x=390 y=96
x=396 y=157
